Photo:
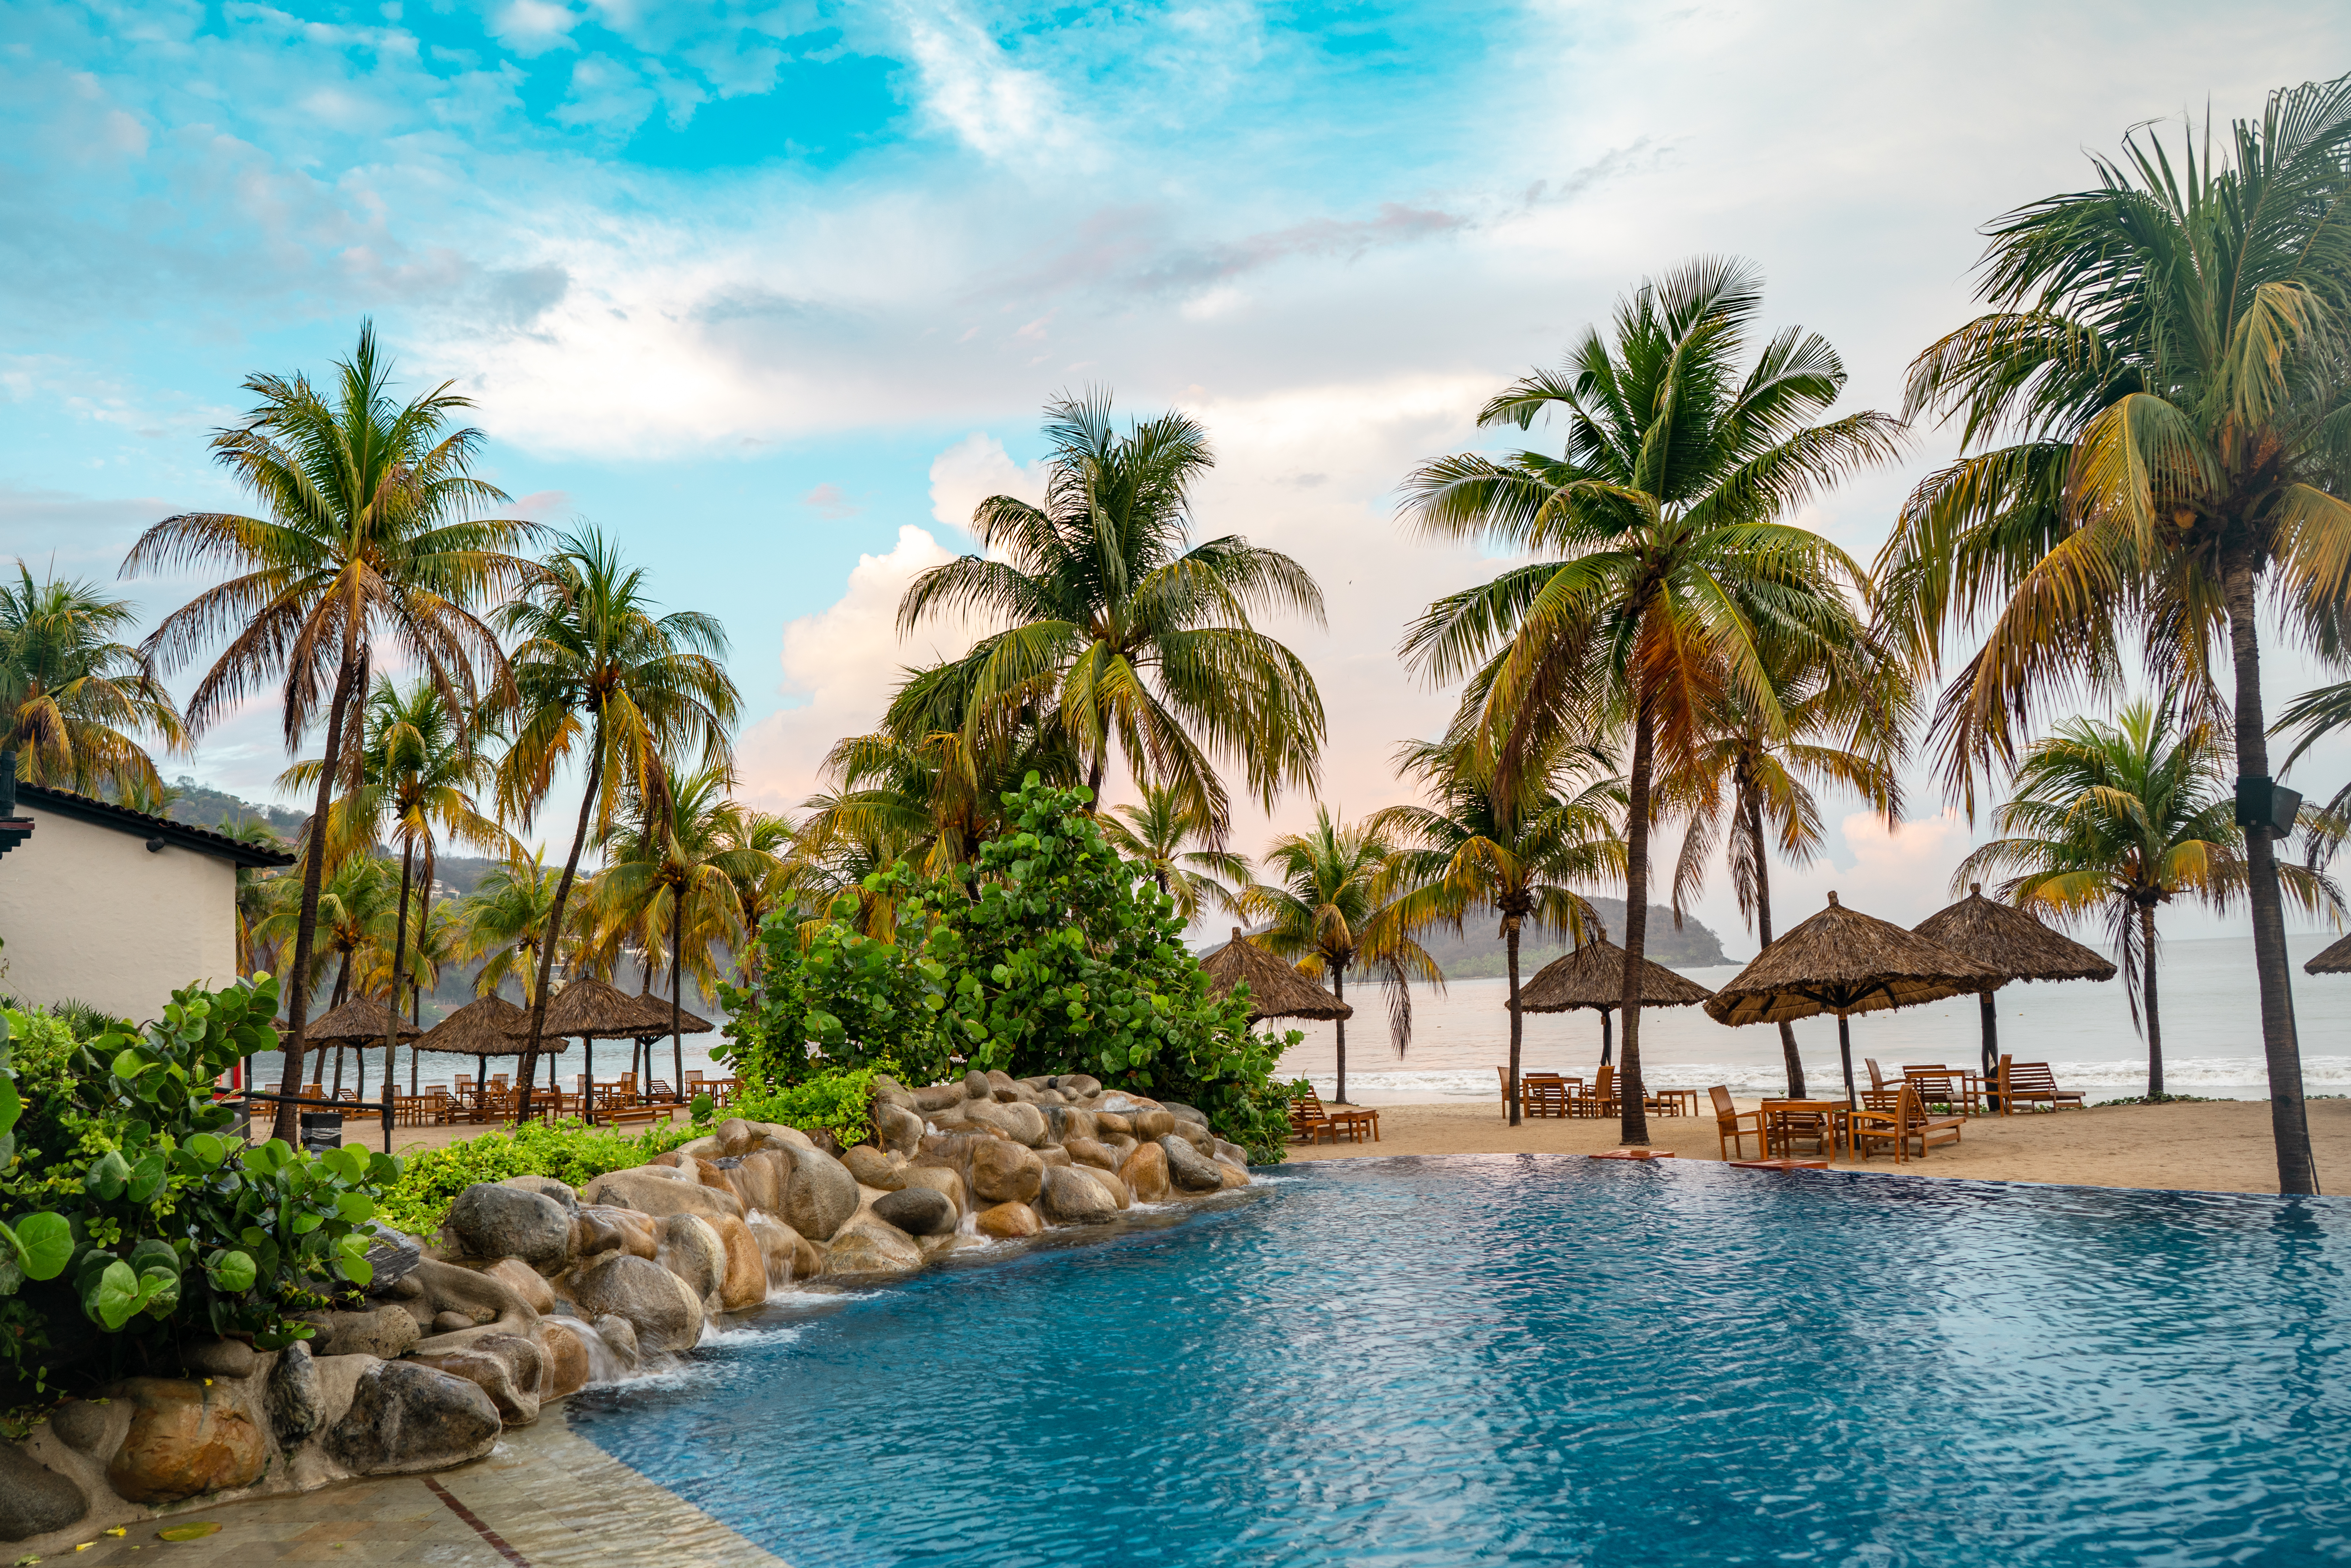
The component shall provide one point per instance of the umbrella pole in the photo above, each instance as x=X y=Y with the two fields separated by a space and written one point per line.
x=1845 y=1053
x=1607 y=1035
x=1991 y=1043
x=587 y=1100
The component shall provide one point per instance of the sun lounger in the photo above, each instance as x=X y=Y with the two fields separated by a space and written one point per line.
x=2031 y=1083
x=1732 y=1124
x=1310 y=1119
x=1907 y=1124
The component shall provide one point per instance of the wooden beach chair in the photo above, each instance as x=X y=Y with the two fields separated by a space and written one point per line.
x=636 y=1115
x=2032 y=1082
x=1785 y=1126
x=1907 y=1122
x=1936 y=1085
x=1732 y=1124
x=1308 y=1119
x=1543 y=1094
x=1880 y=1096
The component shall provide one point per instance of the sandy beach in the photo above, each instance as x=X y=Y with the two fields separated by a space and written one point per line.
x=2220 y=1146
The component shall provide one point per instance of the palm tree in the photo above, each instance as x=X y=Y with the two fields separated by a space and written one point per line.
x=677 y=867
x=771 y=872
x=505 y=920
x=1665 y=567
x=254 y=893
x=2121 y=818
x=602 y=679
x=1522 y=854
x=1845 y=712
x=1334 y=904
x=2164 y=356
x=1123 y=632
x=1156 y=833
x=371 y=534
x=72 y=698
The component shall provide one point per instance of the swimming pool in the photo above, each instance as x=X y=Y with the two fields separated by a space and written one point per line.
x=1544 y=1359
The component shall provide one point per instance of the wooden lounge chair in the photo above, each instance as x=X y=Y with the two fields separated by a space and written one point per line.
x=2032 y=1082
x=636 y=1115
x=1907 y=1122
x=1784 y=1128
x=1732 y=1124
x=1543 y=1094
x=1348 y=1122
x=1308 y=1119
x=1880 y=1096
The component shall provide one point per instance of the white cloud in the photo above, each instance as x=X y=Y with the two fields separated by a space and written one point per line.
x=531 y=27
x=971 y=470
x=972 y=88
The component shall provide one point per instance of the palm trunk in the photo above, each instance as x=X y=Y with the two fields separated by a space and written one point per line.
x=2289 y=1118
x=417 y=997
x=1635 y=1124
x=1607 y=1036
x=1511 y=945
x=677 y=987
x=2146 y=992
x=1339 y=993
x=286 y=1125
x=399 y=963
x=553 y=936
x=1990 y=1041
x=1094 y=777
x=1788 y=1052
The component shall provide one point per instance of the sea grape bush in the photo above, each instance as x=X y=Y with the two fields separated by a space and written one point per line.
x=571 y=1151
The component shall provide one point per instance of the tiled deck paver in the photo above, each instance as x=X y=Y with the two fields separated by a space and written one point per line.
x=553 y=1501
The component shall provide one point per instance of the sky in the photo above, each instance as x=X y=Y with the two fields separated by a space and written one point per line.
x=774 y=294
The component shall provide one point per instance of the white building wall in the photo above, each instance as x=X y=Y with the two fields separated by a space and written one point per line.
x=89 y=913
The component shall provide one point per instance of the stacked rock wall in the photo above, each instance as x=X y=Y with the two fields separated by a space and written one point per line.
x=539 y=1289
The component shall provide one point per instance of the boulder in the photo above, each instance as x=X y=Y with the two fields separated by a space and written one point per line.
x=185 y=1438
x=504 y=1366
x=743 y=1284
x=1078 y=1085
x=938 y=1097
x=1005 y=1172
x=665 y=1314
x=1201 y=1138
x=939 y=1179
x=524 y=1281
x=1184 y=1112
x=1122 y=1145
x=1091 y=1152
x=759 y=1177
x=660 y=1196
x=1066 y=1126
x=1111 y=1125
x=821 y=1195
x=918 y=1211
x=898 y=1128
x=890 y=1091
x=406 y=1417
x=706 y=1147
x=601 y=1229
x=619 y=1337
x=1009 y=1221
x=975 y=1086
x=1048 y=1097
x=690 y=1249
x=1108 y=1181
x=492 y=1220
x=1070 y=1197
x=546 y=1186
x=486 y=1300
x=1053 y=1154
x=1233 y=1176
x=735 y=1136
x=81 y=1424
x=384 y=1332
x=393 y=1257
x=786 y=1253
x=868 y=1246
x=873 y=1168
x=1187 y=1167
x=34 y=1499
x=1024 y=1125
x=219 y=1358
x=452 y=1323
x=1145 y=1174
x=1231 y=1154
x=569 y=1365
x=297 y=1396
x=772 y=1133
x=1151 y=1124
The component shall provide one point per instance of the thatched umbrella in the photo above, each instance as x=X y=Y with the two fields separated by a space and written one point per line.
x=1276 y=990
x=357 y=1024
x=2019 y=947
x=2334 y=960
x=662 y=1020
x=481 y=1029
x=1844 y=961
x=1593 y=976
x=589 y=1010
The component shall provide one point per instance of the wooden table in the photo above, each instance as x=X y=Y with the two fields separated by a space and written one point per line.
x=1674 y=1102
x=1778 y=1114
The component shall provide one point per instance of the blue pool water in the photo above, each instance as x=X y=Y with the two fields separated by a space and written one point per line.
x=1543 y=1359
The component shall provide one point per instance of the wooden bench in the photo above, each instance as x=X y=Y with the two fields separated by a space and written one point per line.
x=2032 y=1082
x=636 y=1115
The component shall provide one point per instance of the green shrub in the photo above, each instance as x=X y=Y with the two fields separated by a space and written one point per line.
x=841 y=1102
x=571 y=1151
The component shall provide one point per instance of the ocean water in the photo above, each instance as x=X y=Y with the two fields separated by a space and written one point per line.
x=1527 y=1359
x=2211 y=1013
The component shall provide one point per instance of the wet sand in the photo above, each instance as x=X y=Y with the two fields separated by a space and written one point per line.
x=2218 y=1146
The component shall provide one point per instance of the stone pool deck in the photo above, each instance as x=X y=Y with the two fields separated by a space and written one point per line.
x=543 y=1499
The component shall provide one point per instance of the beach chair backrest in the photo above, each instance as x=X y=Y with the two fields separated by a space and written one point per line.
x=2030 y=1077
x=1605 y=1085
x=1723 y=1109
x=1503 y=1073
x=1876 y=1078
x=1309 y=1103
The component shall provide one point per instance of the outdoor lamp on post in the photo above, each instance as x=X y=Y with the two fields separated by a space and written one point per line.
x=2264 y=802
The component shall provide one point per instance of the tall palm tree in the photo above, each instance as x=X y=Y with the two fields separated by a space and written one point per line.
x=1522 y=854
x=254 y=894
x=1157 y=832
x=2153 y=412
x=1844 y=713
x=676 y=868
x=2119 y=819
x=1663 y=566
x=371 y=537
x=1335 y=903
x=771 y=872
x=601 y=679
x=504 y=920
x=73 y=699
x=1124 y=628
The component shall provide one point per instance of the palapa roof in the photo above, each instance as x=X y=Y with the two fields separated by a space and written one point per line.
x=586 y=1008
x=1276 y=990
x=480 y=1029
x=360 y=1021
x=1593 y=976
x=655 y=1011
x=2334 y=960
x=1843 y=961
x=2003 y=938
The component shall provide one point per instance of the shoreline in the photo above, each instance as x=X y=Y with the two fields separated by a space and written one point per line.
x=2202 y=1147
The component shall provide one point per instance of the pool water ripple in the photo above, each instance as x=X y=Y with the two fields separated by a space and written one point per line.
x=1542 y=1359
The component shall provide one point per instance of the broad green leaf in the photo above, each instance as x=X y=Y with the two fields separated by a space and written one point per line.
x=355 y=1207
x=146 y=1178
x=233 y=1272
x=210 y=1149
x=12 y=1104
x=114 y=1299
x=305 y=1223
x=159 y=1293
x=107 y=1176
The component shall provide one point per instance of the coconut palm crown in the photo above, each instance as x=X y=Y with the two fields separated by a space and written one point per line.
x=73 y=699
